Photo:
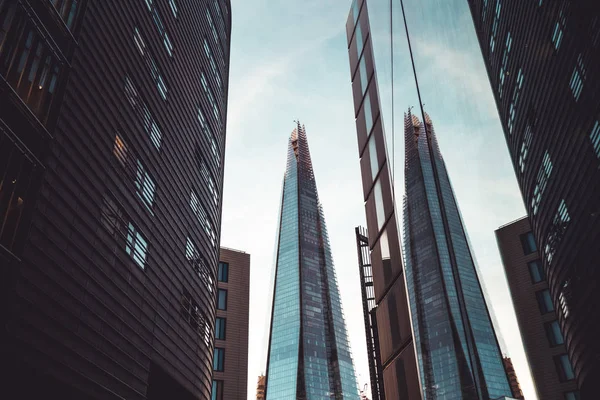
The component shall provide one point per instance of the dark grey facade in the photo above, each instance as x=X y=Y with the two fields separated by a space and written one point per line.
x=544 y=344
x=543 y=62
x=309 y=355
x=457 y=349
x=112 y=130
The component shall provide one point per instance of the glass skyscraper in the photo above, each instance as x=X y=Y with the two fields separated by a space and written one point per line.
x=459 y=356
x=309 y=356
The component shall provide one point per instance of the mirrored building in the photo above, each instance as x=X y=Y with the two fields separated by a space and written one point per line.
x=309 y=356
x=459 y=356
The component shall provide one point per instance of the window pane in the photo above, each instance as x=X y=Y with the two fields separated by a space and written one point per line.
x=378 y=198
x=223 y=272
x=554 y=334
x=528 y=242
x=572 y=396
x=220 y=328
x=564 y=369
x=545 y=301
x=218 y=359
x=222 y=299
x=536 y=271
x=373 y=157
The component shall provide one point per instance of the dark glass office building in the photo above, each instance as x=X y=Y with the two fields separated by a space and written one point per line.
x=458 y=353
x=543 y=63
x=112 y=129
x=309 y=356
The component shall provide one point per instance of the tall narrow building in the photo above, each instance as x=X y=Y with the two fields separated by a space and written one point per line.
x=458 y=353
x=543 y=63
x=309 y=356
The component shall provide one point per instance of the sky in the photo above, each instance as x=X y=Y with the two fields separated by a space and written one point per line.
x=289 y=61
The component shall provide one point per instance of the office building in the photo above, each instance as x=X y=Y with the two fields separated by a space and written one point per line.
x=230 y=357
x=458 y=352
x=261 y=387
x=309 y=355
x=515 y=387
x=543 y=63
x=544 y=344
x=112 y=132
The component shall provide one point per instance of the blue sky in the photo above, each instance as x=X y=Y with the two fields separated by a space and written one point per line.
x=289 y=61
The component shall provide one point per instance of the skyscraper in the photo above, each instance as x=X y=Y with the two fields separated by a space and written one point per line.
x=544 y=343
x=458 y=353
x=543 y=63
x=112 y=131
x=309 y=356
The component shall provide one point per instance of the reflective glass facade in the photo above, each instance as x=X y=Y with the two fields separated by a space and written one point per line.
x=459 y=356
x=309 y=356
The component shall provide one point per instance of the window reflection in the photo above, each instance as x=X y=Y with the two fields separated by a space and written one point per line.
x=373 y=157
x=379 y=209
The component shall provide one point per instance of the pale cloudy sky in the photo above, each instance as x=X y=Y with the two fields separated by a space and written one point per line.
x=289 y=61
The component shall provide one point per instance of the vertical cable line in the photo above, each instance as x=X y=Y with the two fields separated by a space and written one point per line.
x=393 y=125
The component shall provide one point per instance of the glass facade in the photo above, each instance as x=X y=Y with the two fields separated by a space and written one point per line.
x=457 y=349
x=309 y=356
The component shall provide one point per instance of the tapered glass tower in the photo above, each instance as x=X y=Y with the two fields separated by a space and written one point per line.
x=309 y=356
x=459 y=356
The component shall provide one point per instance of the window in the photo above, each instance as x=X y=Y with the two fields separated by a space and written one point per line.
x=220 y=328
x=572 y=396
x=364 y=78
x=359 y=40
x=202 y=216
x=578 y=78
x=564 y=368
x=150 y=63
x=217 y=390
x=199 y=265
x=214 y=33
x=559 y=28
x=143 y=112
x=209 y=94
x=553 y=333
x=504 y=66
x=536 y=271
x=373 y=157
x=544 y=301
x=145 y=186
x=16 y=171
x=595 y=138
x=192 y=314
x=355 y=10
x=527 y=137
x=512 y=111
x=213 y=65
x=67 y=9
x=495 y=26
x=528 y=243
x=222 y=299
x=113 y=218
x=378 y=199
x=136 y=246
x=542 y=181
x=120 y=150
x=368 y=113
x=219 y=359
x=564 y=298
x=173 y=7
x=209 y=136
x=557 y=230
x=26 y=60
x=223 y=272
x=208 y=179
